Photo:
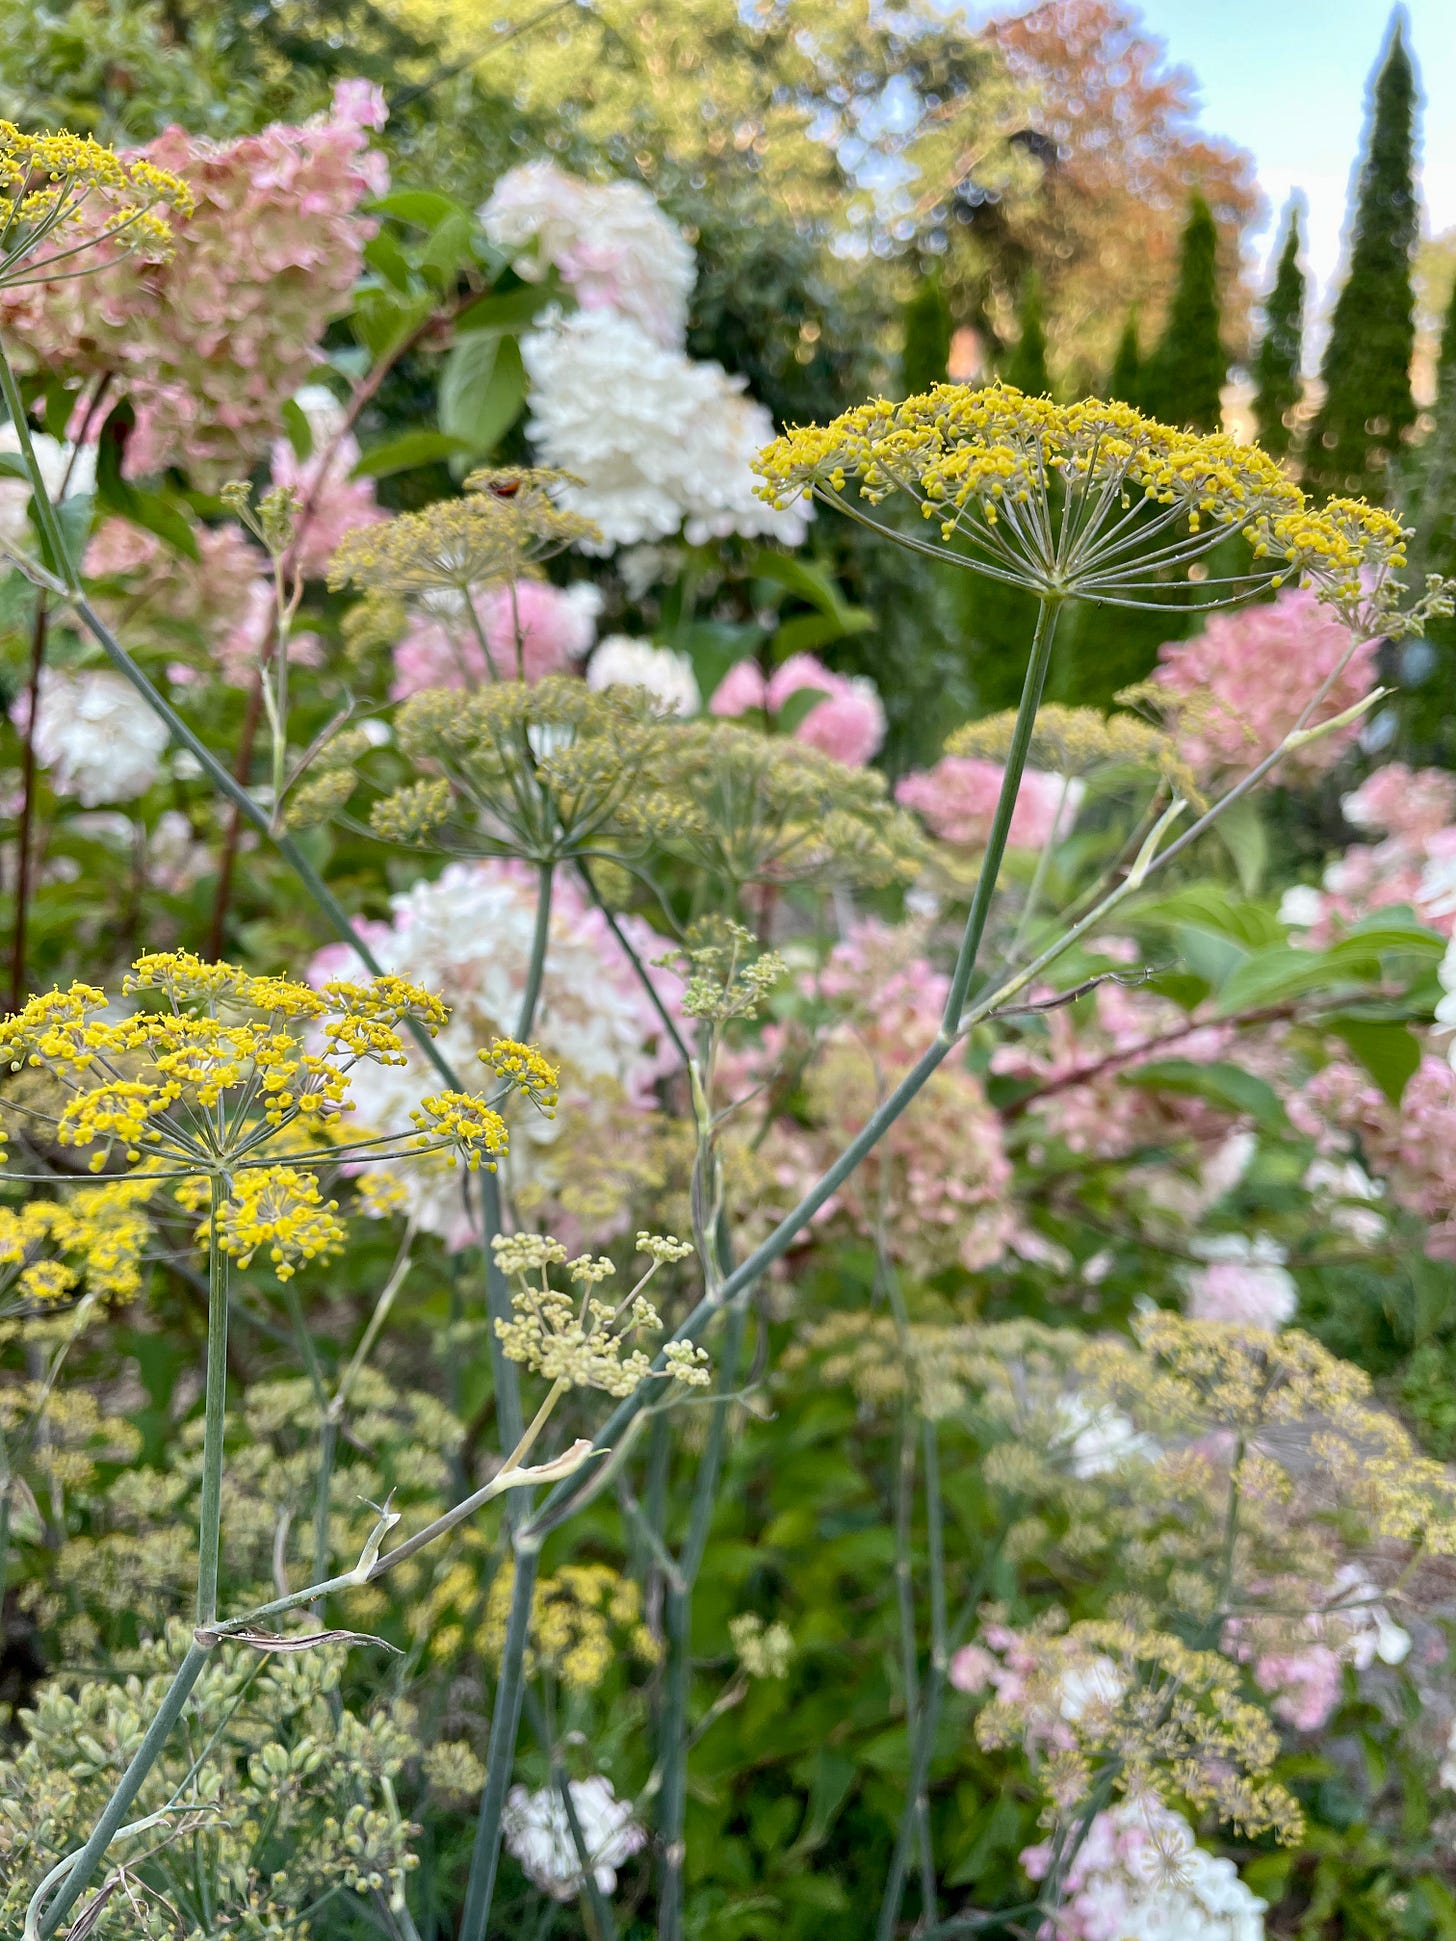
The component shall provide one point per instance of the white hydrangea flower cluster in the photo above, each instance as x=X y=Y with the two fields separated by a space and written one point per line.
x=661 y=443
x=1097 y=1438
x=67 y=470
x=538 y=1834
x=469 y=932
x=1140 y=1876
x=658 y=441
x=621 y=661
x=1245 y=1282
x=609 y=242
x=96 y=736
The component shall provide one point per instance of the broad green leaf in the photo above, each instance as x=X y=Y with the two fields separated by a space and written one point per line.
x=1224 y=1084
x=13 y=466
x=300 y=432
x=482 y=390
x=422 y=207
x=382 y=320
x=799 y=575
x=713 y=646
x=1241 y=830
x=1207 y=906
x=385 y=257
x=153 y=511
x=510 y=310
x=1388 y=1050
x=449 y=249
x=798 y=707
x=411 y=448
x=801 y=633
x=1276 y=976
x=1214 y=956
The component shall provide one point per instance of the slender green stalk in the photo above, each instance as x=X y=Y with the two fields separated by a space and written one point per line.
x=603 y=1925
x=540 y=939
x=654 y=996
x=904 y=1525
x=210 y=1523
x=143 y=1759
x=678 y=1614
x=505 y=1720
x=1031 y=691
x=45 y=513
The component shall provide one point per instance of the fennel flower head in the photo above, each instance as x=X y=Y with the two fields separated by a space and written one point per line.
x=504 y=524
x=215 y=1076
x=1088 y=500
x=68 y=205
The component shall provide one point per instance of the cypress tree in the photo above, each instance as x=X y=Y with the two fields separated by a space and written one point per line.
x=1184 y=378
x=1125 y=383
x=1368 y=406
x=1277 y=364
x=925 y=349
x=1026 y=367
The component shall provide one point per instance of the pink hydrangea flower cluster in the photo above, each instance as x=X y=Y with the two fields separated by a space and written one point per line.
x=1300 y=1661
x=1079 y=1054
x=957 y=799
x=216 y=613
x=1251 y=675
x=941 y=1170
x=210 y=345
x=1412 y=863
x=212 y=614
x=540 y=630
x=1412 y=1146
x=1243 y=1283
x=1140 y=1876
x=848 y=724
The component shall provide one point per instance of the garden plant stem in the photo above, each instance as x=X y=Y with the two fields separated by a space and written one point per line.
x=210 y=1519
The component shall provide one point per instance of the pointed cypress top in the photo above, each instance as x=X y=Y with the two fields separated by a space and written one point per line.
x=1368 y=405
x=1277 y=376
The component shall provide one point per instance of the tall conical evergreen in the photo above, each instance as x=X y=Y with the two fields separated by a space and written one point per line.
x=1367 y=363
x=1427 y=479
x=1125 y=383
x=1026 y=367
x=925 y=353
x=1184 y=379
x=1277 y=377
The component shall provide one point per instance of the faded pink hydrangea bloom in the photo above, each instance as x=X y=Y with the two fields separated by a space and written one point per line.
x=957 y=799
x=539 y=630
x=1413 y=862
x=1075 y=1057
x=1139 y=1875
x=848 y=724
x=214 y=614
x=941 y=1170
x=211 y=344
x=1244 y=1282
x=1412 y=1146
x=1410 y=802
x=1300 y=1659
x=1252 y=674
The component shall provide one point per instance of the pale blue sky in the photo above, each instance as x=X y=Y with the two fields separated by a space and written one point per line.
x=1286 y=79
